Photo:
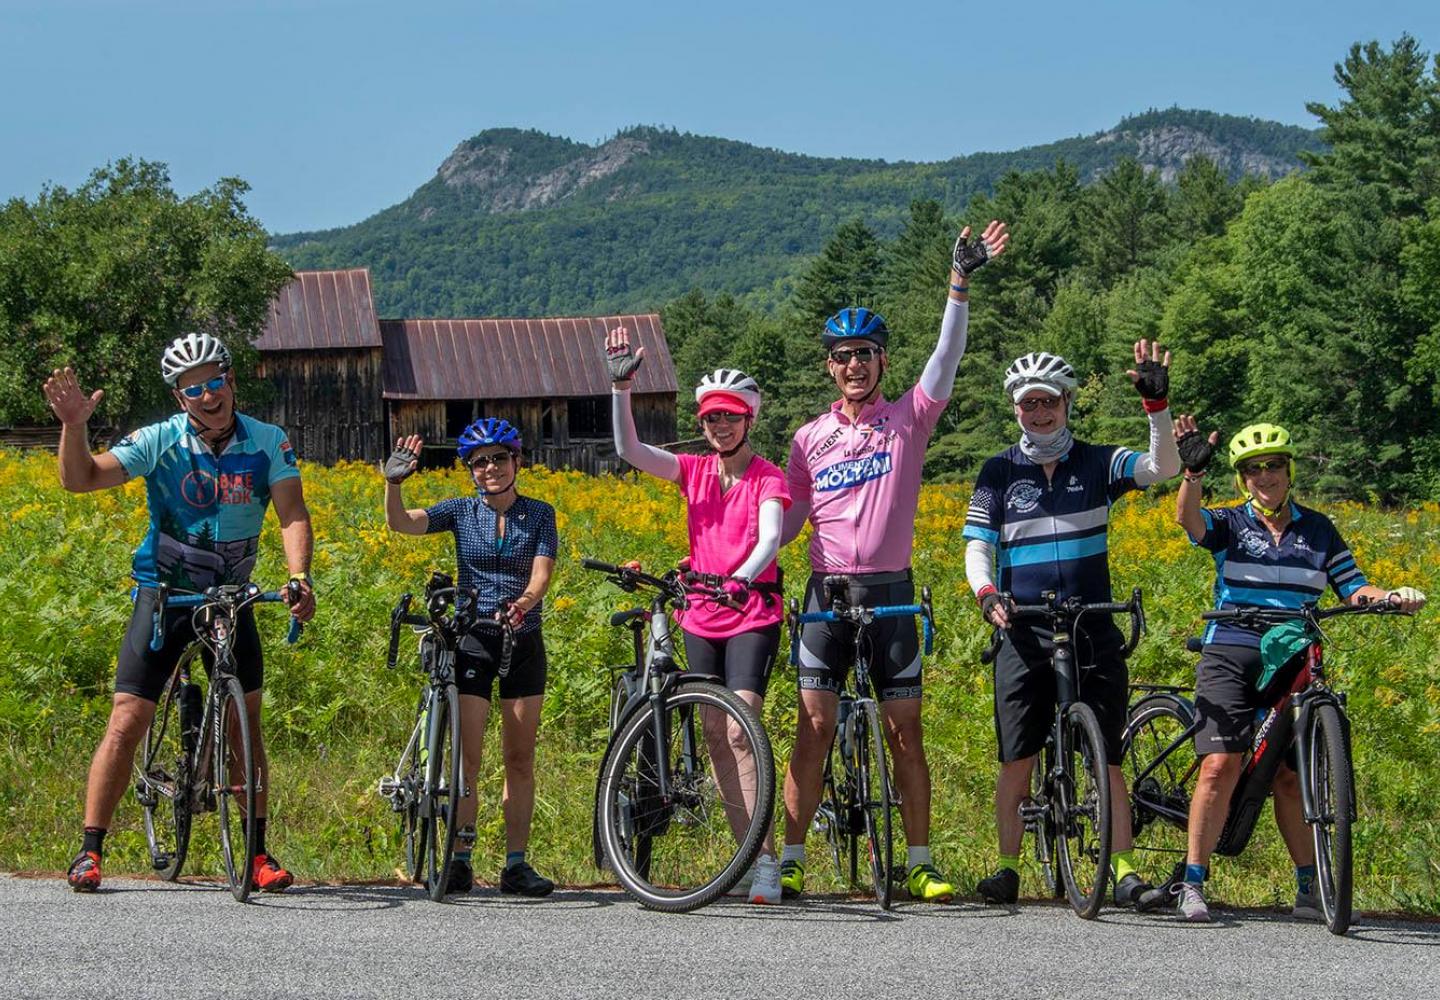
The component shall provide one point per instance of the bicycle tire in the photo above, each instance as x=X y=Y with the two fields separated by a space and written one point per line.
x=1081 y=806
x=411 y=773
x=443 y=788
x=833 y=814
x=1043 y=825
x=164 y=770
x=1332 y=791
x=681 y=854
x=877 y=802
x=234 y=783
x=1160 y=802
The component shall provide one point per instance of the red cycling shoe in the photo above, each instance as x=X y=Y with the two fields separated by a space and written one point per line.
x=84 y=873
x=269 y=876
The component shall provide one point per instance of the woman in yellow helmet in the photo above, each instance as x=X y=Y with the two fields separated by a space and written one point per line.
x=1269 y=552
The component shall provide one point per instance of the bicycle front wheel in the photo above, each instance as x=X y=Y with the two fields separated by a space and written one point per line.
x=877 y=798
x=163 y=772
x=234 y=759
x=1081 y=804
x=683 y=807
x=1332 y=792
x=1161 y=769
x=444 y=788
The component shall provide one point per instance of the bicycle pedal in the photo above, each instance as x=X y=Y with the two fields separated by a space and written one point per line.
x=160 y=861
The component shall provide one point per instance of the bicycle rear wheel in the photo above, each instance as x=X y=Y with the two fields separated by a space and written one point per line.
x=877 y=801
x=834 y=816
x=1161 y=771
x=234 y=760
x=680 y=851
x=1332 y=792
x=409 y=779
x=1081 y=806
x=1041 y=824
x=442 y=791
x=163 y=773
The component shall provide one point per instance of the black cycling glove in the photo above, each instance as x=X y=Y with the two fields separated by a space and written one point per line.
x=968 y=258
x=988 y=602
x=400 y=466
x=621 y=361
x=1195 y=450
x=1154 y=380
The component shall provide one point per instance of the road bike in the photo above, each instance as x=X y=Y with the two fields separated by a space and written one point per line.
x=858 y=797
x=687 y=783
x=197 y=755
x=1068 y=809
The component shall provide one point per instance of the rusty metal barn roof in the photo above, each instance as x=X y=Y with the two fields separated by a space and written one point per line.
x=322 y=310
x=515 y=358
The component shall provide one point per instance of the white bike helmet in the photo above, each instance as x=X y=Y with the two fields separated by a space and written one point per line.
x=191 y=350
x=1039 y=370
x=731 y=382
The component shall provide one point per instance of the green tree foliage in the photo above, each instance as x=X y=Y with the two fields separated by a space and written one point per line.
x=1125 y=220
x=103 y=276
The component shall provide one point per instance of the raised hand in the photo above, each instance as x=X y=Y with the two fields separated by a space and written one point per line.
x=968 y=256
x=404 y=460
x=621 y=361
x=1151 y=374
x=1195 y=449
x=67 y=400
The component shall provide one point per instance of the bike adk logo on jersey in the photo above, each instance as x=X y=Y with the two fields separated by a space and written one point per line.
x=843 y=475
x=1022 y=497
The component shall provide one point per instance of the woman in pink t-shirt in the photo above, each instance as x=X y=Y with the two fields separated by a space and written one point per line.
x=735 y=505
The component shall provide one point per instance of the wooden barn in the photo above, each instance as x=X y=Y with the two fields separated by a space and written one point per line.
x=347 y=385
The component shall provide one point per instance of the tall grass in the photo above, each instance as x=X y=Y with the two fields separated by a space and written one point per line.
x=334 y=714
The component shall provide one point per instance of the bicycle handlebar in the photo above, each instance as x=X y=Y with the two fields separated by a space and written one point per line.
x=857 y=614
x=1065 y=613
x=1309 y=612
x=438 y=602
x=235 y=597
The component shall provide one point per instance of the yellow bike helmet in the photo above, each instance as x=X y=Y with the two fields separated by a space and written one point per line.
x=1260 y=439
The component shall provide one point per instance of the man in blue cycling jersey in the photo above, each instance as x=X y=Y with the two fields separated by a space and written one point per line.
x=210 y=473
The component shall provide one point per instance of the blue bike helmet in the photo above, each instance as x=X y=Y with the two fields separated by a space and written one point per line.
x=485 y=432
x=853 y=324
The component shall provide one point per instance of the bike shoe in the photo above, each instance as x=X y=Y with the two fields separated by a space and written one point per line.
x=460 y=879
x=792 y=879
x=1307 y=907
x=1003 y=887
x=1190 y=903
x=269 y=876
x=520 y=879
x=1130 y=890
x=765 y=887
x=84 y=873
x=925 y=883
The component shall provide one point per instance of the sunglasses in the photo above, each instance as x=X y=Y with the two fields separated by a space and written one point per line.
x=1269 y=465
x=196 y=391
x=728 y=418
x=498 y=459
x=1035 y=402
x=864 y=355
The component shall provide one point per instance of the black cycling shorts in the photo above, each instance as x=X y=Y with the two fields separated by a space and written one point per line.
x=143 y=671
x=477 y=665
x=741 y=662
x=827 y=649
x=1227 y=702
x=1025 y=689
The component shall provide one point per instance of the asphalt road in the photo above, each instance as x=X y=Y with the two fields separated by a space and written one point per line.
x=151 y=939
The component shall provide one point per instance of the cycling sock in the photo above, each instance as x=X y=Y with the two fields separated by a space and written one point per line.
x=793 y=852
x=1011 y=861
x=513 y=858
x=1195 y=874
x=1305 y=879
x=95 y=840
x=462 y=856
x=259 y=834
x=1122 y=863
x=917 y=856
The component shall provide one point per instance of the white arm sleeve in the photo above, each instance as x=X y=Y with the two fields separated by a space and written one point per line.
x=628 y=445
x=1162 y=461
x=979 y=564
x=767 y=541
x=938 y=379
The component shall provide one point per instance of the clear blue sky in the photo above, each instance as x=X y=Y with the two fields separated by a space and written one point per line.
x=333 y=110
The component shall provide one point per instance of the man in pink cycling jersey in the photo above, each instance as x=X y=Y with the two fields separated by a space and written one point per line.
x=855 y=472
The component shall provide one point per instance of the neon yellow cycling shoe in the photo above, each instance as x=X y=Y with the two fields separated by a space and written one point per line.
x=925 y=884
x=792 y=879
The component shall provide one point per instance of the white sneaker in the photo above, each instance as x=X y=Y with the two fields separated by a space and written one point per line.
x=742 y=887
x=766 y=886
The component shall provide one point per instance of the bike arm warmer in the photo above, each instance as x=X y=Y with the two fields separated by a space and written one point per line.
x=979 y=564
x=938 y=379
x=767 y=541
x=1162 y=461
x=655 y=461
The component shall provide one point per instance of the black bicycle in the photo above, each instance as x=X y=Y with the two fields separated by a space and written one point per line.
x=687 y=783
x=858 y=797
x=197 y=756
x=1306 y=712
x=428 y=782
x=1068 y=809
